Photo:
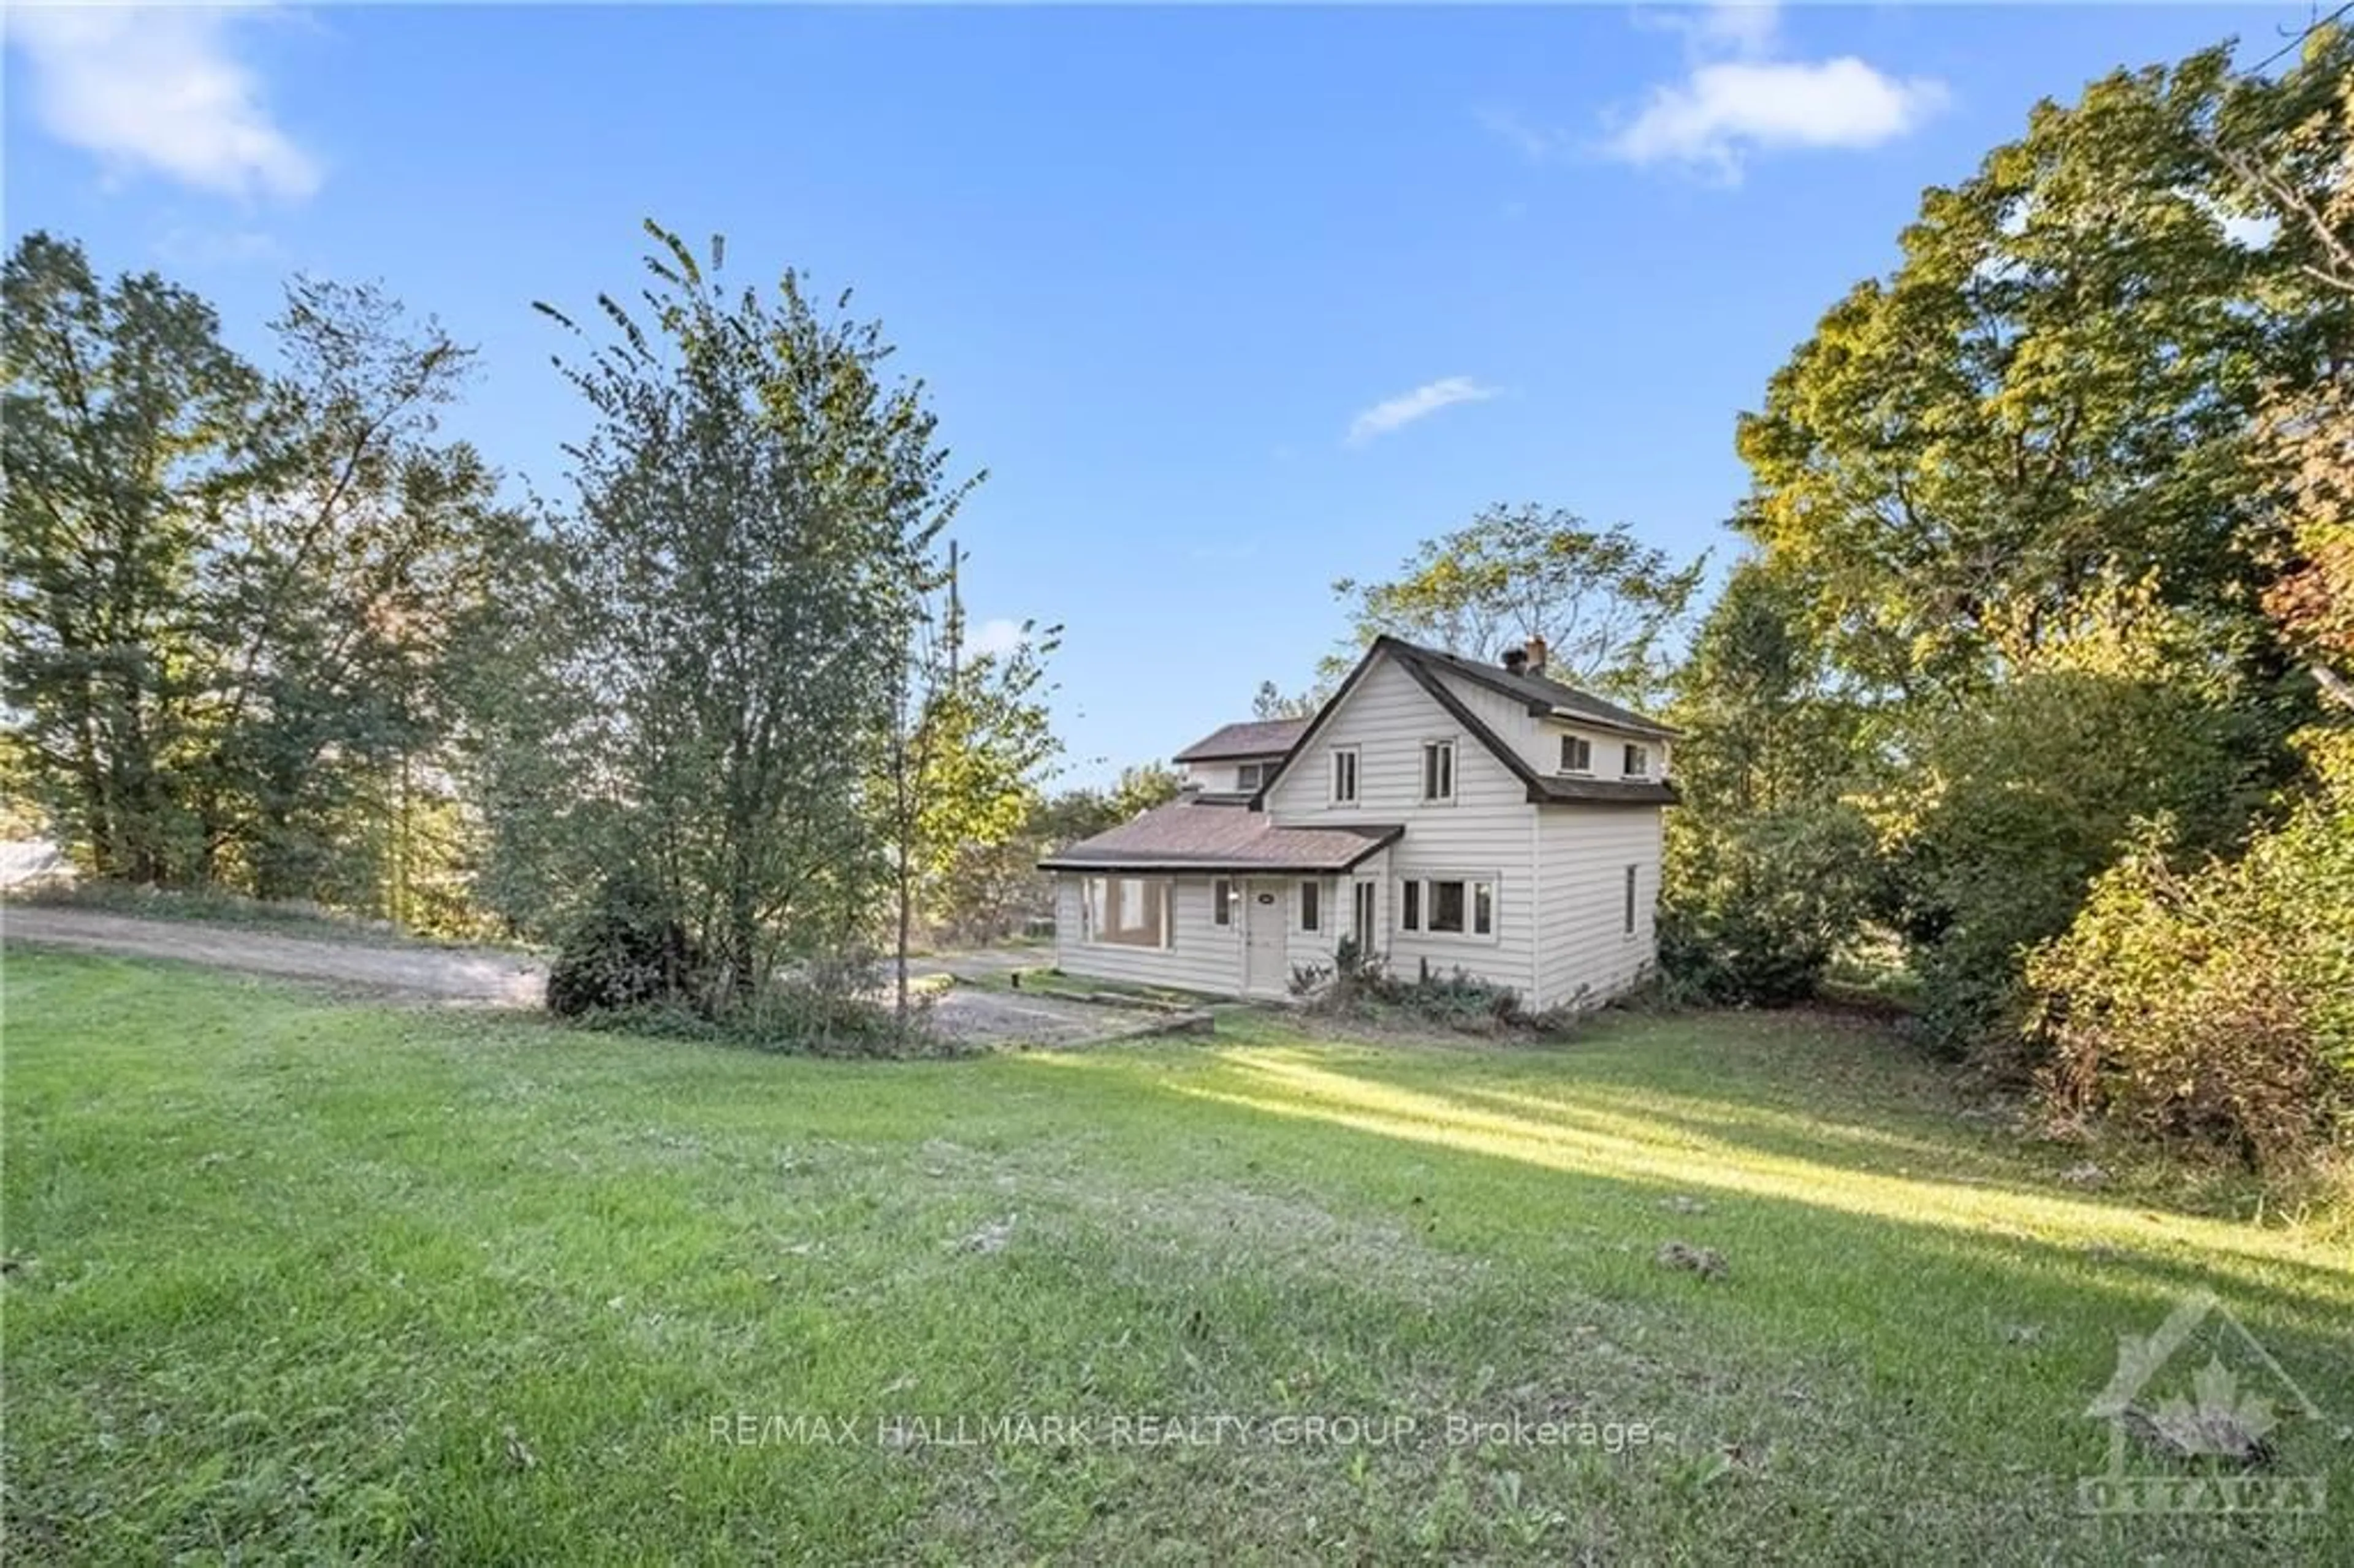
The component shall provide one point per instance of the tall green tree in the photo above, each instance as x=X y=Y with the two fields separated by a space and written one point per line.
x=231 y=595
x=1609 y=606
x=2017 y=494
x=962 y=760
x=2302 y=181
x=1770 y=861
x=2208 y=999
x=128 y=430
x=2056 y=387
x=334 y=600
x=756 y=506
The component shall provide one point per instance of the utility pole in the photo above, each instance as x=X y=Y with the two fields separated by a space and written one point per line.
x=956 y=616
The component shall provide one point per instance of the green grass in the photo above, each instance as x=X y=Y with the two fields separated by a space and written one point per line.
x=290 y=1278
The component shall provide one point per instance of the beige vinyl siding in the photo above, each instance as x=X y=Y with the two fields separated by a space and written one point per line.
x=1508 y=718
x=1483 y=833
x=1582 y=855
x=1224 y=778
x=1316 y=947
x=1609 y=751
x=1538 y=739
x=1201 y=955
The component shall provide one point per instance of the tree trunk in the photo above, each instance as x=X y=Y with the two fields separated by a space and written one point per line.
x=907 y=922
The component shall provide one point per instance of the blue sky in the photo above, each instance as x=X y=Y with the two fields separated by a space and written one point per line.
x=1229 y=302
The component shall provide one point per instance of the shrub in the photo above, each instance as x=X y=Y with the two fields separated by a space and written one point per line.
x=1355 y=974
x=1358 y=984
x=2015 y=803
x=629 y=951
x=1754 y=911
x=2215 y=1007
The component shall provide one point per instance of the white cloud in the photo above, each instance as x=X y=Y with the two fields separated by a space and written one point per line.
x=1723 y=112
x=159 y=90
x=998 y=636
x=1396 y=413
x=1727 y=108
x=1731 y=25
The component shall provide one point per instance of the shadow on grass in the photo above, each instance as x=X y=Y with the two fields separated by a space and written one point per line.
x=2010 y=1223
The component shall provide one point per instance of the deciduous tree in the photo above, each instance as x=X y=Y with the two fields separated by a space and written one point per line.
x=757 y=503
x=128 y=430
x=1609 y=606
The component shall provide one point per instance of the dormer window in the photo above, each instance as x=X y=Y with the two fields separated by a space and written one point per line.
x=1249 y=776
x=1638 y=761
x=1576 y=754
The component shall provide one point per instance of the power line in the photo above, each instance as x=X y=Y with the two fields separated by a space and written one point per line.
x=2298 y=41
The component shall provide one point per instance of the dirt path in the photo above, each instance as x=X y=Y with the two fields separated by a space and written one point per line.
x=445 y=974
x=489 y=978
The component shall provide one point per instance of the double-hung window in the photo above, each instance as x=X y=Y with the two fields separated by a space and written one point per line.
x=1448 y=905
x=1438 y=770
x=1344 y=775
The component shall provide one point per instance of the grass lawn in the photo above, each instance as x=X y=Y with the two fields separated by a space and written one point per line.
x=289 y=1276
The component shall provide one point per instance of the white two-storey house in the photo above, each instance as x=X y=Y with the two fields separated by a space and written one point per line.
x=1439 y=810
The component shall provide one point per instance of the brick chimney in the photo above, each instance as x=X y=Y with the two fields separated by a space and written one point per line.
x=1536 y=655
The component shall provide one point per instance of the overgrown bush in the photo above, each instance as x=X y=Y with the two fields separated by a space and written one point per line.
x=629 y=951
x=1754 y=907
x=1358 y=984
x=2214 y=1006
x=2013 y=805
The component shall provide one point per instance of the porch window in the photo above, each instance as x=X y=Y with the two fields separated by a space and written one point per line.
x=1128 y=911
x=1410 y=906
x=1361 y=925
x=1221 y=901
x=1630 y=900
x=1310 y=905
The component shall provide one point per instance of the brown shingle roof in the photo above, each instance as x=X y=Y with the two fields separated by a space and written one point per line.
x=1541 y=693
x=1541 y=696
x=1252 y=737
x=1187 y=835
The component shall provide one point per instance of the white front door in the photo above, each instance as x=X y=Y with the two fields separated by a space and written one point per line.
x=1267 y=930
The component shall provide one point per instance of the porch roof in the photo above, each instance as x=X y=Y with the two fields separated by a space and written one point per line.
x=1203 y=836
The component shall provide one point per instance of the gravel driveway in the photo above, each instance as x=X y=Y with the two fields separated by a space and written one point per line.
x=488 y=977
x=477 y=975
